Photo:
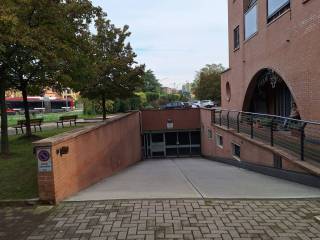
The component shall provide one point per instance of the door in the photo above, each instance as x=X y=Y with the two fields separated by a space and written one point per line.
x=157 y=145
x=171 y=144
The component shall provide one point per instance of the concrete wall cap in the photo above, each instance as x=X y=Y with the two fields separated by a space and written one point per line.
x=78 y=132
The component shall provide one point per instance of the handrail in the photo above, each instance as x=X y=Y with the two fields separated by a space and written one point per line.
x=305 y=134
x=268 y=115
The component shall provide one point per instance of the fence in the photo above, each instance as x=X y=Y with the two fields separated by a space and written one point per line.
x=301 y=138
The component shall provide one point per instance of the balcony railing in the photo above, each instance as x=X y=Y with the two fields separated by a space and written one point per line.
x=300 y=138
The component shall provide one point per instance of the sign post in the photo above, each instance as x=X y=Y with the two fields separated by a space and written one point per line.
x=44 y=159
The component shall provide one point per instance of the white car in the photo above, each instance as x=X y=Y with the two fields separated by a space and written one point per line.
x=207 y=103
x=195 y=104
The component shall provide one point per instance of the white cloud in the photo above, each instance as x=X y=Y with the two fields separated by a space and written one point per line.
x=174 y=38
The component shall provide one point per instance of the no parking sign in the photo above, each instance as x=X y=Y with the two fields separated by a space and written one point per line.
x=44 y=159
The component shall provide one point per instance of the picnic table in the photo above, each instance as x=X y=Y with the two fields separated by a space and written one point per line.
x=36 y=122
x=69 y=118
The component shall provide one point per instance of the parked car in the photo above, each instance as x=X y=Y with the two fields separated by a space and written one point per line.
x=207 y=103
x=195 y=104
x=187 y=105
x=174 y=105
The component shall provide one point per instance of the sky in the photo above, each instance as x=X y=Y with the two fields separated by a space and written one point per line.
x=174 y=38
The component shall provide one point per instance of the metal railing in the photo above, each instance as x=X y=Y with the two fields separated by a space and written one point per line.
x=301 y=138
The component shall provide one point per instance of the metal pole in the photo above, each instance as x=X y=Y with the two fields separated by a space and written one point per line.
x=228 y=121
x=302 y=137
x=238 y=122
x=271 y=133
x=251 y=126
x=220 y=117
x=213 y=116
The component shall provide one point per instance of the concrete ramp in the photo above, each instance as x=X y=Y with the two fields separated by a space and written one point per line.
x=191 y=178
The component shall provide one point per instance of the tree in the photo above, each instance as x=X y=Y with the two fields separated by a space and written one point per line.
x=150 y=82
x=46 y=42
x=7 y=25
x=207 y=84
x=116 y=75
x=152 y=96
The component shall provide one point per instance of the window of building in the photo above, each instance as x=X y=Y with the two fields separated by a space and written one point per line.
x=236 y=38
x=251 y=21
x=219 y=140
x=250 y=3
x=228 y=91
x=209 y=134
x=236 y=151
x=276 y=8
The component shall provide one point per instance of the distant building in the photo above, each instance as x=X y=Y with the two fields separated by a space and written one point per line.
x=168 y=90
x=49 y=93
x=274 y=56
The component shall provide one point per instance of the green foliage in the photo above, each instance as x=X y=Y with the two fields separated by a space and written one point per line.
x=207 y=84
x=152 y=96
x=48 y=40
x=151 y=83
x=143 y=98
x=116 y=75
x=44 y=44
x=89 y=106
x=174 y=97
x=18 y=175
x=135 y=103
x=92 y=107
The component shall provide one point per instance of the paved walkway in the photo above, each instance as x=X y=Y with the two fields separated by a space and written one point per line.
x=19 y=222
x=182 y=219
x=192 y=178
x=49 y=126
x=53 y=125
x=184 y=208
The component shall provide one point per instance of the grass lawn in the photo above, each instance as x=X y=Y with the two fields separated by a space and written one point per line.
x=48 y=117
x=18 y=173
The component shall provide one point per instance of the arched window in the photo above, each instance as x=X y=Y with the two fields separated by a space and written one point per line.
x=268 y=93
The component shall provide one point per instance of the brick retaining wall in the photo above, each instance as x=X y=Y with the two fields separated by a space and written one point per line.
x=94 y=153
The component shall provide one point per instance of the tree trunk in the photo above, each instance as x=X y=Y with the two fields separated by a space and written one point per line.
x=4 y=119
x=104 y=109
x=26 y=111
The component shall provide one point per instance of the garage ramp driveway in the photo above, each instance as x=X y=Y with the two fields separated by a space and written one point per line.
x=191 y=178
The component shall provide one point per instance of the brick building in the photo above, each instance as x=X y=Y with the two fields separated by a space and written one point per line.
x=274 y=56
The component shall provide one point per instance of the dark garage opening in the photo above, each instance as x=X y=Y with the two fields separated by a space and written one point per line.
x=172 y=144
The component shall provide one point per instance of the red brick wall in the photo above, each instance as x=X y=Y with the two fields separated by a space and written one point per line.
x=153 y=120
x=251 y=151
x=94 y=153
x=289 y=45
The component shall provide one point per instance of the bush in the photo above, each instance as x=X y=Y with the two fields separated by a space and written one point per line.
x=92 y=107
x=152 y=96
x=135 y=103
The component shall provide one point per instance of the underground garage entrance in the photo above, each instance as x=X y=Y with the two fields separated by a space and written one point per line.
x=171 y=144
x=84 y=157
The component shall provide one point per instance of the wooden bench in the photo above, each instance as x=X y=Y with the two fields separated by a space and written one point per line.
x=37 y=122
x=70 y=118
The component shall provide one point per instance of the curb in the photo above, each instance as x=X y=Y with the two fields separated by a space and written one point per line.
x=20 y=202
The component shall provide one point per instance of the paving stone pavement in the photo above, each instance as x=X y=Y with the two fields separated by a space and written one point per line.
x=182 y=219
x=19 y=222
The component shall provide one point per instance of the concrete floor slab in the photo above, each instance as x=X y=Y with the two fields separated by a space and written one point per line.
x=191 y=178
